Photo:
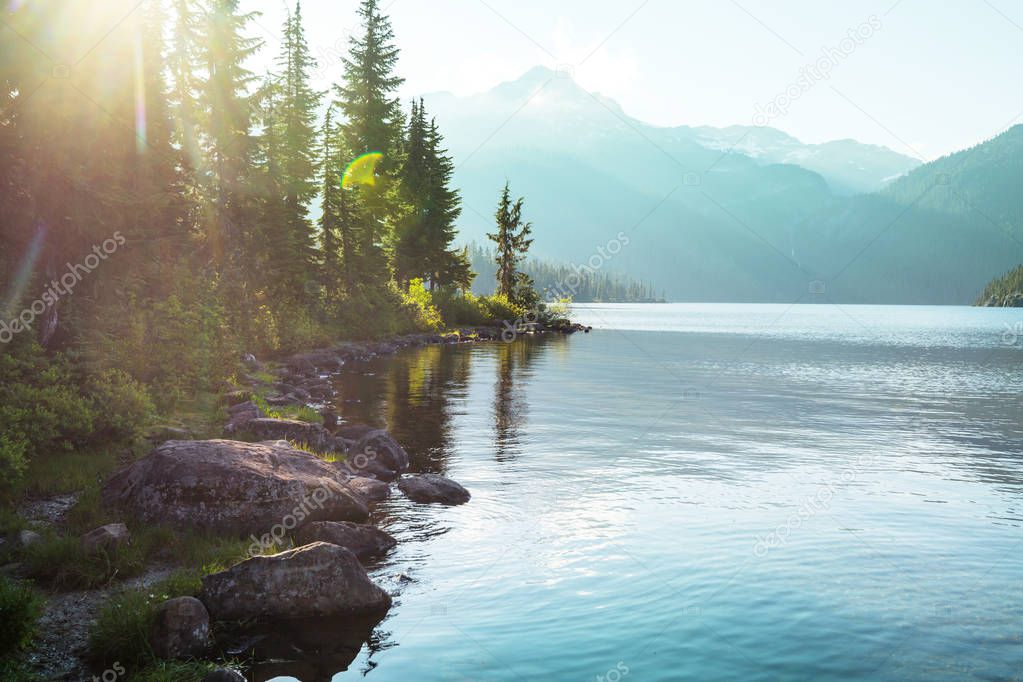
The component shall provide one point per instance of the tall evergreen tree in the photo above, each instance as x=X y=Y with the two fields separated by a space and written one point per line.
x=294 y=120
x=511 y=241
x=445 y=265
x=372 y=121
x=231 y=227
x=341 y=216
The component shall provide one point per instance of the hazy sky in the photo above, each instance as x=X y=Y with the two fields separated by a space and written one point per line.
x=924 y=78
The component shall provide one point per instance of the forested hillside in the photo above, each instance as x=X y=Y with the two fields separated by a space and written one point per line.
x=157 y=197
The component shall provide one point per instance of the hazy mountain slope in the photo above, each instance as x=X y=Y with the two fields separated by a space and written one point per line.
x=711 y=223
x=850 y=167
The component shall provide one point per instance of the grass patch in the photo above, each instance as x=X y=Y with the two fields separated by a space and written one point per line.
x=302 y=413
x=66 y=471
x=121 y=631
x=14 y=669
x=174 y=671
x=20 y=607
x=59 y=561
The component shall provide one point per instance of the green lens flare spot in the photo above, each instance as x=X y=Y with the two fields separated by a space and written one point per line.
x=362 y=171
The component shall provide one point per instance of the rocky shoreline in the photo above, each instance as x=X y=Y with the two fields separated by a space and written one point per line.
x=301 y=491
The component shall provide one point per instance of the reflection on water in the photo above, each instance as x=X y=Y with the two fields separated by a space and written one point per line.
x=710 y=493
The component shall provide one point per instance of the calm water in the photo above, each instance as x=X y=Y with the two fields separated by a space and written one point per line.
x=710 y=492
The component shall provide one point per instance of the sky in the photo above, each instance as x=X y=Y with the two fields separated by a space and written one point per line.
x=921 y=77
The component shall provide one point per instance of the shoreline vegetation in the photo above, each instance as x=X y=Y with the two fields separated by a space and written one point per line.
x=165 y=217
x=1005 y=291
x=76 y=606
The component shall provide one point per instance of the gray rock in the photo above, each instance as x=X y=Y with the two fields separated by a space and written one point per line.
x=312 y=435
x=316 y=580
x=108 y=538
x=433 y=488
x=232 y=487
x=242 y=414
x=377 y=454
x=181 y=628
x=362 y=539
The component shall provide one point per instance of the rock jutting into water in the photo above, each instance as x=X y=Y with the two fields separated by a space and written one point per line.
x=363 y=540
x=233 y=487
x=315 y=580
x=433 y=488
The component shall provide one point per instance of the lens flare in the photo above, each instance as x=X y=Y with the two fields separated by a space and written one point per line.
x=362 y=171
x=140 y=97
x=26 y=268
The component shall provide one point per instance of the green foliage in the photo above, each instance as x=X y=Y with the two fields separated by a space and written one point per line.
x=511 y=241
x=59 y=561
x=420 y=303
x=20 y=606
x=13 y=460
x=559 y=280
x=174 y=671
x=1006 y=290
x=121 y=404
x=459 y=307
x=121 y=630
x=499 y=307
x=302 y=413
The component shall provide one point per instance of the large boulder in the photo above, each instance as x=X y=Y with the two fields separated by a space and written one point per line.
x=181 y=628
x=316 y=580
x=362 y=539
x=377 y=455
x=312 y=435
x=108 y=538
x=433 y=488
x=230 y=486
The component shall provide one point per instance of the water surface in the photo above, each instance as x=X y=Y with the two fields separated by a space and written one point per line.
x=709 y=492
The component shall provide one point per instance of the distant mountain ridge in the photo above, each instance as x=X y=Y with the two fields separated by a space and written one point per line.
x=738 y=213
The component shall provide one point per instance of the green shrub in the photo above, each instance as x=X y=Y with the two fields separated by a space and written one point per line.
x=459 y=308
x=499 y=307
x=420 y=304
x=20 y=606
x=122 y=405
x=13 y=460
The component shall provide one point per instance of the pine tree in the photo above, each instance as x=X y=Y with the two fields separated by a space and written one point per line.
x=410 y=240
x=372 y=113
x=230 y=223
x=341 y=215
x=373 y=122
x=445 y=265
x=512 y=242
x=294 y=121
